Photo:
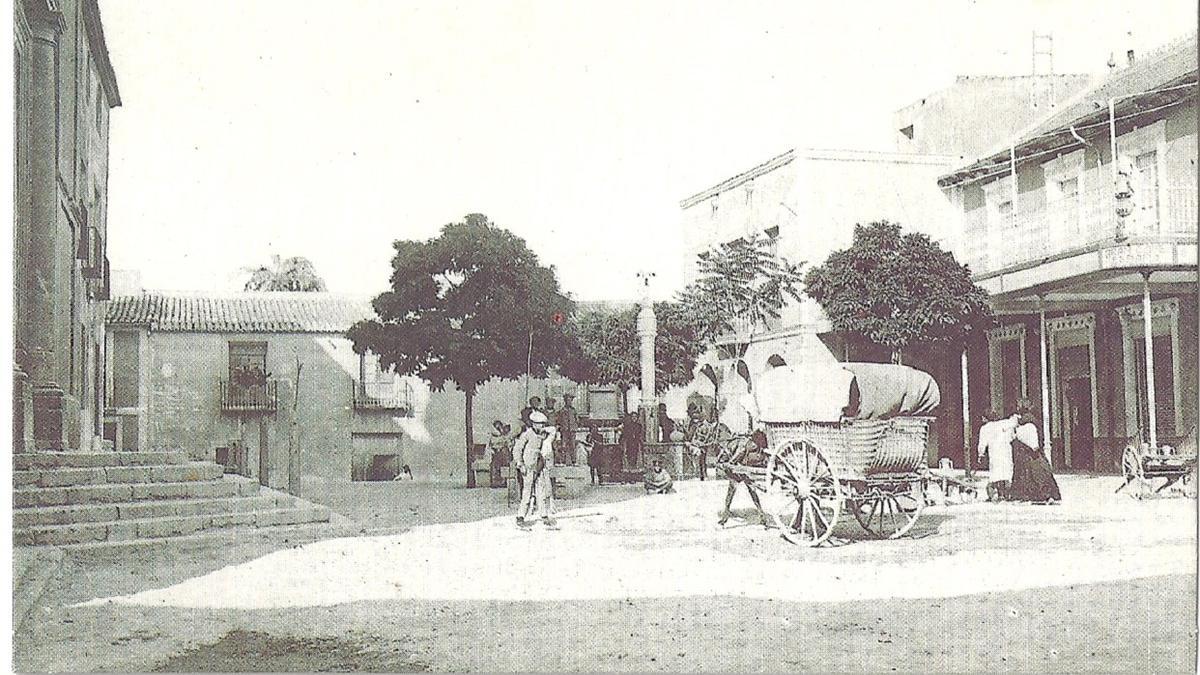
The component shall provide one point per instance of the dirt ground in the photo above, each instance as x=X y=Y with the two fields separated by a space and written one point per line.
x=1142 y=624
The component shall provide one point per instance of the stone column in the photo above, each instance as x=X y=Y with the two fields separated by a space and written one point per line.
x=49 y=343
x=647 y=329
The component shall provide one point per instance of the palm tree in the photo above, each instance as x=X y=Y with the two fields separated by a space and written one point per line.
x=290 y=274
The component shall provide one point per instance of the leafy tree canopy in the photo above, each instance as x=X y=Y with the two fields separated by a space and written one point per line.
x=462 y=307
x=742 y=285
x=606 y=348
x=288 y=274
x=898 y=289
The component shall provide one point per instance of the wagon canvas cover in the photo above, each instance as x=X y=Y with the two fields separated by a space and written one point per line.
x=884 y=390
x=829 y=393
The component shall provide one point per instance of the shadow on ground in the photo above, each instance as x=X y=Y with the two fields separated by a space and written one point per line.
x=252 y=651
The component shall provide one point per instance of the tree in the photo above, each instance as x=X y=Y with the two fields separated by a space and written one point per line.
x=464 y=308
x=289 y=274
x=742 y=286
x=606 y=348
x=897 y=290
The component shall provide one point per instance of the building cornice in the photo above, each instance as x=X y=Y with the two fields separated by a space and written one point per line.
x=728 y=184
x=99 y=48
x=817 y=154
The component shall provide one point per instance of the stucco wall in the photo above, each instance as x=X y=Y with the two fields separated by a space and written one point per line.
x=181 y=372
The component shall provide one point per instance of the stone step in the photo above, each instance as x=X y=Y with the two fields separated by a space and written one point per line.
x=96 y=513
x=149 y=473
x=108 y=493
x=169 y=526
x=53 y=459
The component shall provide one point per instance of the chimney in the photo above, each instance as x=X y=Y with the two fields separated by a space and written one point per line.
x=1112 y=61
x=1129 y=57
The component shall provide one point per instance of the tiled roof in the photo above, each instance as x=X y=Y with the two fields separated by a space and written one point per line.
x=275 y=312
x=1173 y=63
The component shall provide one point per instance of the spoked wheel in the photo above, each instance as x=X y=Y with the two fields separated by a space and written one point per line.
x=802 y=496
x=889 y=511
x=1131 y=469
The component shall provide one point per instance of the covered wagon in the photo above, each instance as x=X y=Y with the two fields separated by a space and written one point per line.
x=850 y=436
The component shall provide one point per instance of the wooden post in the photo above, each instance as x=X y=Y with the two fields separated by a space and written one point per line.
x=294 y=438
x=1149 y=345
x=1045 y=379
x=264 y=464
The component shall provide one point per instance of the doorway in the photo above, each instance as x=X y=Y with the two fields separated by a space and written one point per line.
x=1075 y=406
x=1079 y=432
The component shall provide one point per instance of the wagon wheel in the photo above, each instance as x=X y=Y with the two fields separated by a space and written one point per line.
x=803 y=495
x=1131 y=468
x=889 y=511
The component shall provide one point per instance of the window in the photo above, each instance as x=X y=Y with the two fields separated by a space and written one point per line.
x=713 y=203
x=908 y=132
x=125 y=369
x=749 y=195
x=249 y=358
x=1145 y=196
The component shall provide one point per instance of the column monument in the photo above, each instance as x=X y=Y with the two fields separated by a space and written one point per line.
x=647 y=330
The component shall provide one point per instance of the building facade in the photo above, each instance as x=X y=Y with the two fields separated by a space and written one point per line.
x=946 y=122
x=64 y=91
x=808 y=202
x=1072 y=268
x=217 y=376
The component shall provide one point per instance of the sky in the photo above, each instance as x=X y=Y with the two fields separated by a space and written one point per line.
x=331 y=129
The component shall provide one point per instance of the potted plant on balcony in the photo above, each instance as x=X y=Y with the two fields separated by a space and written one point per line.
x=249 y=382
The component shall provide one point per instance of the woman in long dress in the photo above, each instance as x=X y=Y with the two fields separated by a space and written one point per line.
x=1032 y=478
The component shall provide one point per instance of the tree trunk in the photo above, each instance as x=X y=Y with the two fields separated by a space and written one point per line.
x=624 y=400
x=897 y=357
x=470 y=392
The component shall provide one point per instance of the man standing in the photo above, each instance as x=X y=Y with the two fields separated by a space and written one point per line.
x=632 y=437
x=995 y=440
x=666 y=425
x=535 y=403
x=532 y=456
x=595 y=457
x=567 y=420
x=702 y=437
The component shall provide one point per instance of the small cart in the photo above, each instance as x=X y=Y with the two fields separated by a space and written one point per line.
x=1142 y=464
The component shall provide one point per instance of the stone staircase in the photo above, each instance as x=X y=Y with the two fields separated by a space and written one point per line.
x=62 y=498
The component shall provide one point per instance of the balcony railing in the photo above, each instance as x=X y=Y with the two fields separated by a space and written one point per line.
x=249 y=398
x=1073 y=223
x=383 y=395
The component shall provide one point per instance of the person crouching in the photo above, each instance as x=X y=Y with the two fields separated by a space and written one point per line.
x=657 y=481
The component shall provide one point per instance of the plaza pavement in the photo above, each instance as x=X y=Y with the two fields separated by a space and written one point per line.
x=622 y=572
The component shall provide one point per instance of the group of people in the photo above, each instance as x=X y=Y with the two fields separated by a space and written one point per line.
x=1017 y=468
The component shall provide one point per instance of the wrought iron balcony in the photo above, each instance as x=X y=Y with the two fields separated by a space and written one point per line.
x=1071 y=224
x=383 y=395
x=262 y=397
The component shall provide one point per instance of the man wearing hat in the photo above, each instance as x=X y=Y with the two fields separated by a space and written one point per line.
x=532 y=455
